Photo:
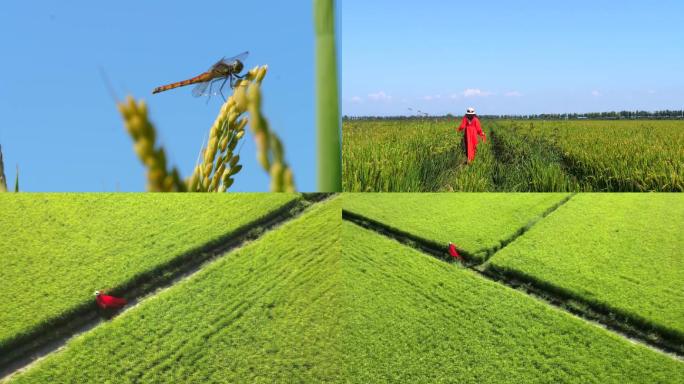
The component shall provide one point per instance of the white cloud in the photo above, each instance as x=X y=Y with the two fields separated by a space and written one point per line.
x=432 y=97
x=455 y=95
x=513 y=94
x=379 y=96
x=356 y=99
x=595 y=93
x=475 y=92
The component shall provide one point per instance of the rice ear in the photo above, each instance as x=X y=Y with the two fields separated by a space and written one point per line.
x=216 y=164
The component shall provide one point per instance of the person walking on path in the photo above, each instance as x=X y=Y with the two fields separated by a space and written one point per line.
x=473 y=129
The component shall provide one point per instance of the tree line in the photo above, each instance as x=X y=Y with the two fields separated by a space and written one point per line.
x=621 y=115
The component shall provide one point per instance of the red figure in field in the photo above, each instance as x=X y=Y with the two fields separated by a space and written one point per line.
x=471 y=125
x=454 y=253
x=109 y=302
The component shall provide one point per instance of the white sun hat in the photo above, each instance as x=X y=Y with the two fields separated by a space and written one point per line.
x=470 y=111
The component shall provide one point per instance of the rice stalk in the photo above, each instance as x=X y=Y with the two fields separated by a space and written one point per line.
x=327 y=115
x=218 y=161
x=270 y=151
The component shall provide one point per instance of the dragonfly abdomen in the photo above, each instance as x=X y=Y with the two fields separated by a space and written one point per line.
x=197 y=79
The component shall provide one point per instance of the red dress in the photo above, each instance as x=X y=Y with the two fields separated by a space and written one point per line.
x=472 y=131
x=107 y=301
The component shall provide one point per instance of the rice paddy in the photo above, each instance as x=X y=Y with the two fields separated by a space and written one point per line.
x=263 y=313
x=57 y=249
x=622 y=252
x=422 y=155
x=408 y=317
x=478 y=223
x=321 y=299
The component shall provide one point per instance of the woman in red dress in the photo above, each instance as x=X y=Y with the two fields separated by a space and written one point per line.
x=471 y=125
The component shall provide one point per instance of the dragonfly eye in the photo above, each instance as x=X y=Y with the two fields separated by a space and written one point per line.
x=238 y=66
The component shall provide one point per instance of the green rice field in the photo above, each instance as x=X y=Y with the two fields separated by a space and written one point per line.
x=261 y=314
x=411 y=318
x=478 y=223
x=57 y=249
x=423 y=155
x=620 y=251
x=327 y=297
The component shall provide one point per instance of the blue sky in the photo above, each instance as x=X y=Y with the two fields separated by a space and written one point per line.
x=511 y=57
x=61 y=126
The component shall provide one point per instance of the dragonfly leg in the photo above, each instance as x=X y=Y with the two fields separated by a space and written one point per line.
x=221 y=89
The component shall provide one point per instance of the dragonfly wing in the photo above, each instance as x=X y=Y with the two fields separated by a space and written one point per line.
x=231 y=60
x=209 y=88
x=201 y=89
x=219 y=85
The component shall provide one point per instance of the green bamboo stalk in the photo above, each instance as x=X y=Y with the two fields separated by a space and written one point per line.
x=327 y=115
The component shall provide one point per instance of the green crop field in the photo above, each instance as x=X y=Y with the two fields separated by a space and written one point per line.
x=57 y=249
x=620 y=251
x=543 y=156
x=320 y=299
x=409 y=318
x=410 y=157
x=263 y=313
x=477 y=223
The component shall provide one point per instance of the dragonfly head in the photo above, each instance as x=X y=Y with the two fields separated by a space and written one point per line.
x=237 y=66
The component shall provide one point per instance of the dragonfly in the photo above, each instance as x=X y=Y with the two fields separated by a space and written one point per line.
x=225 y=70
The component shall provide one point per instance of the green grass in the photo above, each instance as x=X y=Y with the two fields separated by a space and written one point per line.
x=477 y=223
x=264 y=313
x=619 y=251
x=537 y=156
x=409 y=318
x=57 y=249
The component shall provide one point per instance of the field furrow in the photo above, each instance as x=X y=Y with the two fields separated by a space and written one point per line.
x=479 y=224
